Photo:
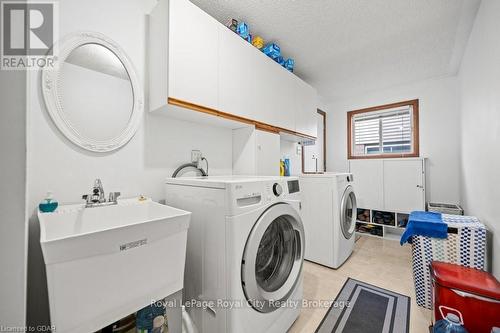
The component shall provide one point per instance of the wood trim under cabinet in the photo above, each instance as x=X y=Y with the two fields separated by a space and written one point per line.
x=416 y=137
x=258 y=125
x=305 y=136
x=266 y=128
x=206 y=110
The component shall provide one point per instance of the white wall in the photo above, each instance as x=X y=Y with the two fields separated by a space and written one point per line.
x=480 y=99
x=13 y=219
x=244 y=151
x=288 y=149
x=140 y=167
x=439 y=131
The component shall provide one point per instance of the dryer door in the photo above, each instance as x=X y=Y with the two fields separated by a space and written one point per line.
x=348 y=211
x=273 y=257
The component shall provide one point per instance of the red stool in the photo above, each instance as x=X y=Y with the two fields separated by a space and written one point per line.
x=472 y=294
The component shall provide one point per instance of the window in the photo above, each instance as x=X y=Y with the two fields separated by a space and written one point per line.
x=383 y=131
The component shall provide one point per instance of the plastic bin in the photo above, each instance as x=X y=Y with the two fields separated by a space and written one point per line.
x=470 y=294
x=465 y=246
x=444 y=208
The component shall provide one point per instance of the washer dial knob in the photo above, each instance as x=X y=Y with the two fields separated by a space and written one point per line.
x=277 y=189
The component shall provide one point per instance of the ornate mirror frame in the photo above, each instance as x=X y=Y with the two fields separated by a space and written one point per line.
x=52 y=97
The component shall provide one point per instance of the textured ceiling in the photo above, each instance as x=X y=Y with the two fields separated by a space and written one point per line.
x=347 y=47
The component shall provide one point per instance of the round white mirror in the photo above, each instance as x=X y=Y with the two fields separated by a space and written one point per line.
x=93 y=95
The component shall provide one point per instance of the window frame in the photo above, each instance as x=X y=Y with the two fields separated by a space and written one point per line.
x=415 y=130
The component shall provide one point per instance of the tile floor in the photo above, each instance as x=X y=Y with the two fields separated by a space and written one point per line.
x=383 y=263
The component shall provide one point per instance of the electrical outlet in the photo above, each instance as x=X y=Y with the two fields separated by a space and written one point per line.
x=195 y=156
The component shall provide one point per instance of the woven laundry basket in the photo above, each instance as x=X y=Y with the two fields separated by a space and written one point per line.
x=465 y=245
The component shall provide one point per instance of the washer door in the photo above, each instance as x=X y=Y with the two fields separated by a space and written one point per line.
x=273 y=257
x=348 y=209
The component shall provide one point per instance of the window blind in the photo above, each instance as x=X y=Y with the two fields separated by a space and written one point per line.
x=396 y=128
x=366 y=131
x=385 y=128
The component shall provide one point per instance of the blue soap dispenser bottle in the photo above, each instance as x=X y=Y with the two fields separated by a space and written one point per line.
x=48 y=205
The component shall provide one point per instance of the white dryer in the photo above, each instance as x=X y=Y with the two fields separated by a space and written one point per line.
x=329 y=217
x=245 y=252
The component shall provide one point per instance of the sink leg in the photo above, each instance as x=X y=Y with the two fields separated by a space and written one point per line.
x=174 y=313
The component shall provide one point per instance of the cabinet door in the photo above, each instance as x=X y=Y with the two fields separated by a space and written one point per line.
x=267 y=153
x=252 y=85
x=245 y=80
x=305 y=108
x=240 y=79
x=279 y=89
x=403 y=185
x=311 y=158
x=368 y=183
x=193 y=55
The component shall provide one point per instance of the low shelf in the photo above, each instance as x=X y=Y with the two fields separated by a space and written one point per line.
x=370 y=229
x=381 y=223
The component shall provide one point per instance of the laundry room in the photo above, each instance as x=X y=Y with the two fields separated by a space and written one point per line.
x=250 y=166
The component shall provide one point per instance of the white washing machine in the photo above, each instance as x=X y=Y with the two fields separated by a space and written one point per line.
x=245 y=251
x=329 y=217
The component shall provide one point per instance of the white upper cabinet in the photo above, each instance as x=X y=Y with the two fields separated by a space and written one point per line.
x=252 y=85
x=281 y=85
x=240 y=84
x=158 y=55
x=306 y=102
x=201 y=65
x=193 y=55
x=183 y=55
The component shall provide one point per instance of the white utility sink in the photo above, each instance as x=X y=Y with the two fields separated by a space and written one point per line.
x=104 y=263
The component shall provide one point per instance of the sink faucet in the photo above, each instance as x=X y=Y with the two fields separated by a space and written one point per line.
x=98 y=192
x=97 y=198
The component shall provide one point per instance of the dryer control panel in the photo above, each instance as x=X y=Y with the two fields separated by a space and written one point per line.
x=246 y=196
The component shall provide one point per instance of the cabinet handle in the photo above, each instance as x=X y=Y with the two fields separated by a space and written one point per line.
x=481 y=298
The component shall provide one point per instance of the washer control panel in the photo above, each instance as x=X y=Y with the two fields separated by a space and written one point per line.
x=246 y=195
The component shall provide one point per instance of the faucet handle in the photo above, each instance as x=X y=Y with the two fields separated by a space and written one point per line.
x=113 y=196
x=98 y=191
x=87 y=198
